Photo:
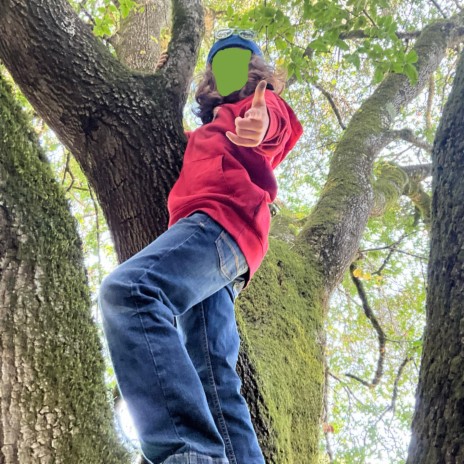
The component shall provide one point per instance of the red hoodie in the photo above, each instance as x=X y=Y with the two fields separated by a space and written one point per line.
x=234 y=184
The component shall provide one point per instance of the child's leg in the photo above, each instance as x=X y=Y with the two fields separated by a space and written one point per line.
x=139 y=300
x=210 y=335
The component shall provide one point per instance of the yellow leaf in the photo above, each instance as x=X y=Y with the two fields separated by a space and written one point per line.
x=357 y=273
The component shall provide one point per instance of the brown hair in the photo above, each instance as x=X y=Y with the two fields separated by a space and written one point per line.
x=208 y=97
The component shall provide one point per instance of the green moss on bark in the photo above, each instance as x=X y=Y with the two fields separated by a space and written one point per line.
x=281 y=322
x=64 y=414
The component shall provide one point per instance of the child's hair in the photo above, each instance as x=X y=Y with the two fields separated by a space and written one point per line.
x=208 y=97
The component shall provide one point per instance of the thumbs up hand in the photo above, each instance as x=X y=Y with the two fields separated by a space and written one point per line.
x=251 y=129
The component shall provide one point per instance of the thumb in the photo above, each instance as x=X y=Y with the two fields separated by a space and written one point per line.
x=258 y=99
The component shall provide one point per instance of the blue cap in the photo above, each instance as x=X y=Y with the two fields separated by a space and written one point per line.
x=233 y=41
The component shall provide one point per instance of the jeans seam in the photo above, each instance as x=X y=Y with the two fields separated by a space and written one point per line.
x=216 y=402
x=157 y=373
x=225 y=238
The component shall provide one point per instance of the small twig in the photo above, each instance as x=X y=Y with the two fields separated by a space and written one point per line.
x=332 y=104
x=412 y=254
x=346 y=388
x=387 y=246
x=393 y=248
x=392 y=405
x=375 y=323
x=66 y=167
x=370 y=19
x=408 y=135
x=385 y=262
x=437 y=6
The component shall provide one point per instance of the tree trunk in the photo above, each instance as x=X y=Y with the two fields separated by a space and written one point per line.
x=137 y=42
x=438 y=424
x=54 y=406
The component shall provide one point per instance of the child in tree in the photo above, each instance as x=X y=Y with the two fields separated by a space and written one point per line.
x=168 y=311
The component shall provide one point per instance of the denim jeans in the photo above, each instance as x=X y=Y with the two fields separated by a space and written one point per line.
x=179 y=380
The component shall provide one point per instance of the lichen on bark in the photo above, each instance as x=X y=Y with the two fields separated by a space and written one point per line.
x=54 y=407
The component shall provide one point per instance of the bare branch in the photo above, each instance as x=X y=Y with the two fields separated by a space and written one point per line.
x=408 y=136
x=437 y=6
x=392 y=405
x=360 y=34
x=375 y=323
x=332 y=103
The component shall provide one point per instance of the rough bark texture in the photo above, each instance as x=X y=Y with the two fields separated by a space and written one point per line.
x=438 y=424
x=136 y=43
x=124 y=128
x=54 y=407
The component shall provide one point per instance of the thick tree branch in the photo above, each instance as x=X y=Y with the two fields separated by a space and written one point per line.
x=418 y=172
x=105 y=114
x=331 y=236
x=360 y=34
x=187 y=32
x=135 y=43
x=394 y=181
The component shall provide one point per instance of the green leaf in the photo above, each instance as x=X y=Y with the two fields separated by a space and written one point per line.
x=280 y=44
x=411 y=72
x=342 y=44
x=319 y=45
x=378 y=75
x=411 y=57
x=353 y=59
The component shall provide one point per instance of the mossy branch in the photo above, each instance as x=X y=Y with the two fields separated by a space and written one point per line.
x=332 y=233
x=394 y=181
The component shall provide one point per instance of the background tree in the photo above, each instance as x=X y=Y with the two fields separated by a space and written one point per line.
x=439 y=417
x=54 y=404
x=123 y=126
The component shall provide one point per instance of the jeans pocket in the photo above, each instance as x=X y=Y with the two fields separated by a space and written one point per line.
x=231 y=259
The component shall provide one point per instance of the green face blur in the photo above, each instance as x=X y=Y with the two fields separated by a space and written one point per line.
x=230 y=69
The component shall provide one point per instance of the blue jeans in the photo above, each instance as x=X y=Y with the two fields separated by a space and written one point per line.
x=180 y=383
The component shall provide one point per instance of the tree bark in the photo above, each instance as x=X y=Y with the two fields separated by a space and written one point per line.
x=137 y=43
x=54 y=406
x=438 y=424
x=124 y=128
